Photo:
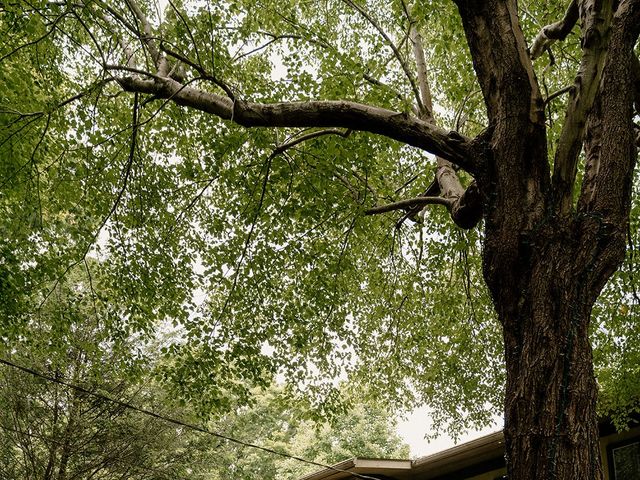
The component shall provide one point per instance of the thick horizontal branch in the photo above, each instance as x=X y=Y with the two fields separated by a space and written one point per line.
x=337 y=114
x=409 y=203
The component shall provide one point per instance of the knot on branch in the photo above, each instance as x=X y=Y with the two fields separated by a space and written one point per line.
x=466 y=211
x=455 y=137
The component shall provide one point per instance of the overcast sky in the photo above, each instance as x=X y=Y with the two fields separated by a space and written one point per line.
x=417 y=425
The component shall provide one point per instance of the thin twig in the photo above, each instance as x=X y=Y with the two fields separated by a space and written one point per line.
x=560 y=92
x=409 y=203
x=126 y=174
x=186 y=25
x=393 y=47
x=118 y=17
x=292 y=143
x=37 y=40
x=247 y=241
x=198 y=68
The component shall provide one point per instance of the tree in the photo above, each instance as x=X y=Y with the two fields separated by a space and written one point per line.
x=275 y=223
x=50 y=431
x=278 y=422
x=366 y=431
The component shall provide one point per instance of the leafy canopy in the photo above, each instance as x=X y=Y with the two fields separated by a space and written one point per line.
x=261 y=263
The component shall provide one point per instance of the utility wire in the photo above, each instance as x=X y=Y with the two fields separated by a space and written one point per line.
x=175 y=421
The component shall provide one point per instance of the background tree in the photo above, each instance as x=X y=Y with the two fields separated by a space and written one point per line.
x=367 y=430
x=278 y=422
x=52 y=432
x=157 y=159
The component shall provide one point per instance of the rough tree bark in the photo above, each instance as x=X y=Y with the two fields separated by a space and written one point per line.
x=546 y=260
x=546 y=256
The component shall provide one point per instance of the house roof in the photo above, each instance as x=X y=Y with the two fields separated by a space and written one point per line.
x=368 y=466
x=475 y=453
x=471 y=458
x=487 y=450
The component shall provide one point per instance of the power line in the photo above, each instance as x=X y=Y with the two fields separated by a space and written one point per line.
x=176 y=421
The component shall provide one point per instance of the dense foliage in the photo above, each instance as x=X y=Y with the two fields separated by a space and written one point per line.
x=259 y=261
x=50 y=431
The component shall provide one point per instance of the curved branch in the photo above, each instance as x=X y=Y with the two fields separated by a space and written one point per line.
x=448 y=182
x=345 y=114
x=126 y=174
x=91 y=88
x=465 y=210
x=556 y=31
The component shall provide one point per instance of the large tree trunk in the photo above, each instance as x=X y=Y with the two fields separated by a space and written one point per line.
x=547 y=257
x=550 y=416
x=550 y=409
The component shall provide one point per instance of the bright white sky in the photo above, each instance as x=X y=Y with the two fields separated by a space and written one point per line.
x=417 y=425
